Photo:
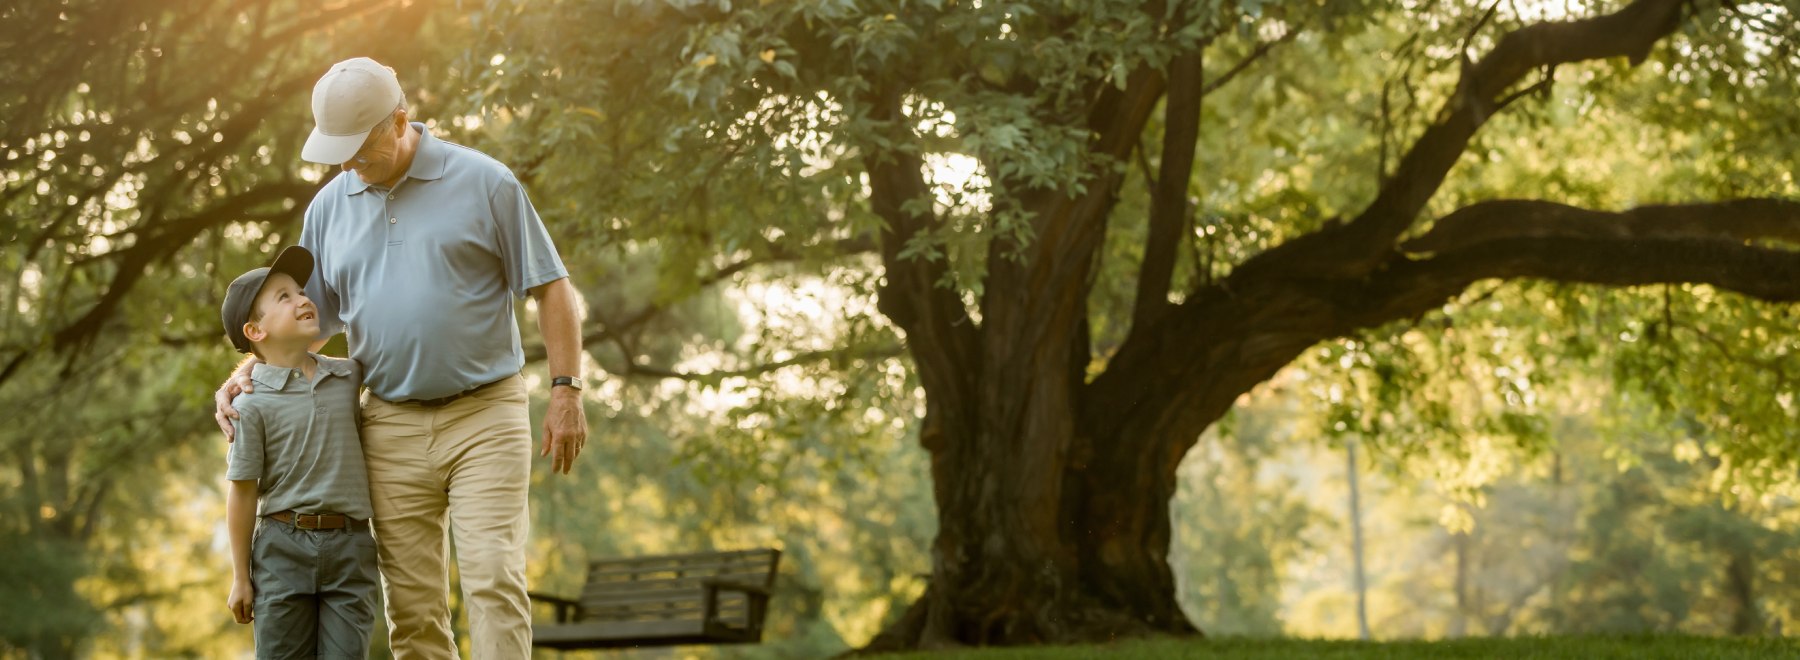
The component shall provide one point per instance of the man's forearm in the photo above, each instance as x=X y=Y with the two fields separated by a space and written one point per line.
x=559 y=321
x=565 y=425
x=240 y=522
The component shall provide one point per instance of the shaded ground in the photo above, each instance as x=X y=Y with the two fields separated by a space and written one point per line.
x=1656 y=646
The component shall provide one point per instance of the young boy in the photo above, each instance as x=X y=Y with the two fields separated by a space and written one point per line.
x=307 y=577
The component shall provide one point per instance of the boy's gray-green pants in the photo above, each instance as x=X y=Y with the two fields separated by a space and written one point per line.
x=315 y=590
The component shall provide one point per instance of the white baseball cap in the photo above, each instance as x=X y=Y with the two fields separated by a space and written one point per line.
x=349 y=102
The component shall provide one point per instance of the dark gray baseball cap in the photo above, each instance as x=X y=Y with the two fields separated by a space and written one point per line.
x=240 y=297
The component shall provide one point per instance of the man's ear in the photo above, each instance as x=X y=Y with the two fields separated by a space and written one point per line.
x=254 y=332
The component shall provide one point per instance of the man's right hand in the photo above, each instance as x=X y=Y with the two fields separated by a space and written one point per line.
x=223 y=413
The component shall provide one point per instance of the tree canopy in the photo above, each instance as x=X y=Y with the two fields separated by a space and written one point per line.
x=1017 y=256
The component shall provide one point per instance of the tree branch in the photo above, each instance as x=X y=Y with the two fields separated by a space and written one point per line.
x=1244 y=64
x=1169 y=200
x=1692 y=243
x=1358 y=247
x=883 y=351
x=1227 y=338
x=1740 y=220
x=939 y=331
x=175 y=234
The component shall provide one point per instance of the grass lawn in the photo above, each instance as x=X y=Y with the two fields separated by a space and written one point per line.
x=1645 y=646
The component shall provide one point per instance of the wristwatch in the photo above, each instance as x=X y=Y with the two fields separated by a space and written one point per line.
x=570 y=381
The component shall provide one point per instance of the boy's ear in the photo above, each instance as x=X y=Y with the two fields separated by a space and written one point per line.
x=254 y=332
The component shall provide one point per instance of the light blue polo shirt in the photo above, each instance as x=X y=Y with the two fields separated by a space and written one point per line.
x=423 y=277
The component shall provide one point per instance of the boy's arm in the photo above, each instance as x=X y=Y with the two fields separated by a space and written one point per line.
x=240 y=521
x=244 y=466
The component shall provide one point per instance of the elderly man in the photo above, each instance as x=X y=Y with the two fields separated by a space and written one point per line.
x=422 y=247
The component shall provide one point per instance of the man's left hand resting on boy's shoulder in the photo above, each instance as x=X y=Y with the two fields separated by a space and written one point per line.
x=237 y=383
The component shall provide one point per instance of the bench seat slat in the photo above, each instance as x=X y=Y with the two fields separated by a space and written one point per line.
x=607 y=570
x=764 y=554
x=671 y=561
x=660 y=614
x=661 y=608
x=657 y=598
x=684 y=613
x=664 y=584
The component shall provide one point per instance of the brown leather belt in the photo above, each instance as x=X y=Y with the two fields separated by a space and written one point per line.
x=319 y=521
x=447 y=400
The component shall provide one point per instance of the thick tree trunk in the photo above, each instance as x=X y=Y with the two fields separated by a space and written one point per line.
x=1014 y=565
x=1122 y=531
x=1009 y=568
x=1054 y=517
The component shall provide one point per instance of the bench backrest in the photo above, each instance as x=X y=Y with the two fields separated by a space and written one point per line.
x=667 y=587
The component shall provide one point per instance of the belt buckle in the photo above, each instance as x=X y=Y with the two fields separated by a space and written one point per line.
x=300 y=521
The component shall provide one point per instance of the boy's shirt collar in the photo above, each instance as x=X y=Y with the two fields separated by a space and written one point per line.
x=276 y=378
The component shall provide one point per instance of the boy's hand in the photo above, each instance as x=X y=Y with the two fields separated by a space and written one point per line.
x=242 y=595
x=223 y=413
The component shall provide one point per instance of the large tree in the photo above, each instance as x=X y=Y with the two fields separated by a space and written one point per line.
x=1088 y=263
x=730 y=135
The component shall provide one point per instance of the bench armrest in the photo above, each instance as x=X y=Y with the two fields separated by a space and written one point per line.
x=757 y=595
x=563 y=605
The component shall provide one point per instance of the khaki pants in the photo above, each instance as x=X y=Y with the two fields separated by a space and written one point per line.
x=469 y=460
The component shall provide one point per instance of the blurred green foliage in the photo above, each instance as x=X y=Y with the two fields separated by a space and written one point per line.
x=1585 y=460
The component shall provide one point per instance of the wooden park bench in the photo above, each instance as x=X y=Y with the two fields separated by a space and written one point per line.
x=665 y=600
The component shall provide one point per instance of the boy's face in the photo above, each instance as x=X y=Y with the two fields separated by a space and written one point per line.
x=287 y=314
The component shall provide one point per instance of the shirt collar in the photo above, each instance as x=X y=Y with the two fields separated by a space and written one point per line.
x=276 y=378
x=427 y=164
x=270 y=376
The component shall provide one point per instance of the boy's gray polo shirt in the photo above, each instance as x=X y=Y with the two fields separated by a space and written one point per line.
x=299 y=440
x=423 y=277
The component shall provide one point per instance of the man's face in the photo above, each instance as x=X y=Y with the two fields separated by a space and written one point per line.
x=379 y=158
x=287 y=313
